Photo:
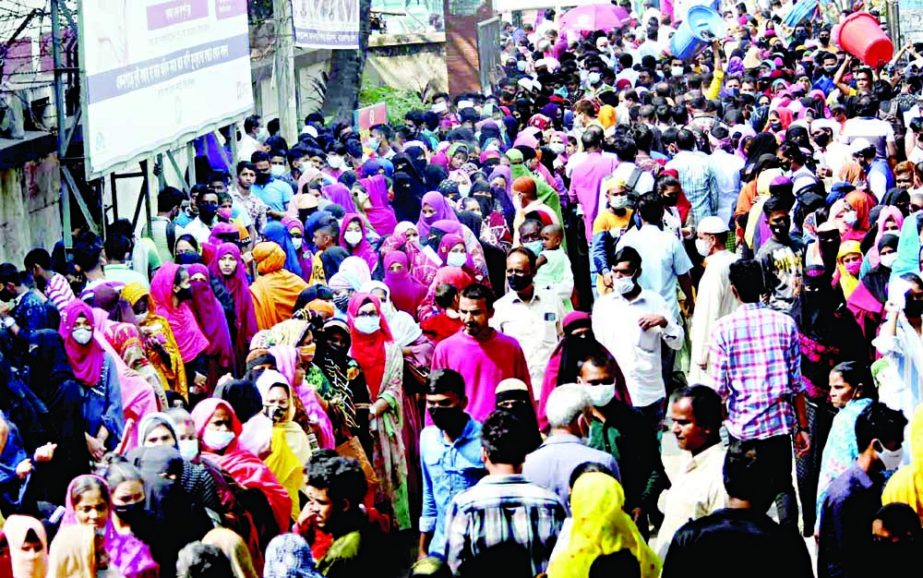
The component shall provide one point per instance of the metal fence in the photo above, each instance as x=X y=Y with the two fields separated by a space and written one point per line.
x=489 y=53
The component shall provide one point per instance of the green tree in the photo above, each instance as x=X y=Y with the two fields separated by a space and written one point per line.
x=346 y=68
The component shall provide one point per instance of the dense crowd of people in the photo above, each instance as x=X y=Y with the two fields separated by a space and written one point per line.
x=476 y=324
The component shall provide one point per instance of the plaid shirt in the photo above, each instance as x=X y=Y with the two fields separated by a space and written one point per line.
x=502 y=509
x=699 y=185
x=754 y=360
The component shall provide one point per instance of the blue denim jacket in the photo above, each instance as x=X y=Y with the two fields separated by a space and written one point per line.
x=447 y=470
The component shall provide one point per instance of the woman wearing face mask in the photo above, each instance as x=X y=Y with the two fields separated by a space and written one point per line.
x=578 y=339
x=354 y=239
x=434 y=208
x=494 y=229
x=828 y=334
x=291 y=449
x=379 y=211
x=849 y=262
x=867 y=300
x=349 y=392
x=276 y=232
x=28 y=546
x=218 y=429
x=229 y=270
x=89 y=505
x=381 y=360
x=159 y=342
x=453 y=253
x=407 y=293
x=212 y=318
x=851 y=391
x=125 y=339
x=95 y=370
x=171 y=291
x=422 y=262
x=295 y=230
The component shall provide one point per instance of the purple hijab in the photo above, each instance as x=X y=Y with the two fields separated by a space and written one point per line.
x=210 y=315
x=364 y=248
x=443 y=212
x=380 y=215
x=239 y=288
x=339 y=194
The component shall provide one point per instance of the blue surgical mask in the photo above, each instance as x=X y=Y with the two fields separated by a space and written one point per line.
x=217 y=440
x=534 y=246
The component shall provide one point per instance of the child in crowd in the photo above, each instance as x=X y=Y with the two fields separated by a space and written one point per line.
x=553 y=266
x=445 y=320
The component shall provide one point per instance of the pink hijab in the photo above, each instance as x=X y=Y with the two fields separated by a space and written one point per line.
x=364 y=248
x=86 y=360
x=380 y=215
x=287 y=363
x=189 y=336
x=406 y=292
x=443 y=212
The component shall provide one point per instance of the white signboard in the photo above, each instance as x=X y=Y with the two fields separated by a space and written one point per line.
x=158 y=73
x=326 y=23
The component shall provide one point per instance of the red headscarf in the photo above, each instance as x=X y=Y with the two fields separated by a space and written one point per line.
x=86 y=360
x=182 y=321
x=239 y=288
x=369 y=350
x=245 y=468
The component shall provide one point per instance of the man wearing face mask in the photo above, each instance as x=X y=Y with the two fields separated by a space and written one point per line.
x=714 y=297
x=623 y=432
x=206 y=201
x=853 y=499
x=781 y=257
x=450 y=451
x=529 y=314
x=252 y=139
x=551 y=465
x=23 y=310
x=273 y=192
x=645 y=322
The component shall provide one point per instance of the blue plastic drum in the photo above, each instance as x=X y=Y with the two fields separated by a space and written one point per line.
x=701 y=26
x=799 y=12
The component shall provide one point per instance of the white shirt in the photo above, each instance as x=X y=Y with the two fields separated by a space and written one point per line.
x=697 y=491
x=246 y=147
x=714 y=301
x=726 y=167
x=197 y=229
x=877 y=131
x=663 y=259
x=637 y=351
x=536 y=325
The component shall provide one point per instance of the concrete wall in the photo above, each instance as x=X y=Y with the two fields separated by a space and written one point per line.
x=411 y=61
x=29 y=208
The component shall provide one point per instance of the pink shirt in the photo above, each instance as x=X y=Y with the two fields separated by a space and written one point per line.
x=483 y=364
x=586 y=179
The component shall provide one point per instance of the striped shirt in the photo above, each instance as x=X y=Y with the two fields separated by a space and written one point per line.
x=755 y=364
x=59 y=291
x=501 y=509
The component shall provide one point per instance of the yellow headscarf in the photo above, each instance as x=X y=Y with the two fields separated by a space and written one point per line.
x=600 y=527
x=848 y=281
x=235 y=549
x=607 y=115
x=906 y=485
x=73 y=554
x=288 y=332
x=173 y=373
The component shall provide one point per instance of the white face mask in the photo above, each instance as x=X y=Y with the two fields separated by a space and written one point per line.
x=217 y=440
x=335 y=161
x=703 y=247
x=850 y=218
x=676 y=71
x=368 y=324
x=593 y=78
x=189 y=448
x=82 y=336
x=456 y=259
x=619 y=202
x=277 y=170
x=352 y=237
x=891 y=458
x=600 y=395
x=557 y=147
x=464 y=189
x=623 y=285
x=888 y=260
x=297 y=241
x=141 y=317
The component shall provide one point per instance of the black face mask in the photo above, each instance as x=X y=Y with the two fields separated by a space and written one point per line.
x=303 y=214
x=670 y=201
x=184 y=294
x=913 y=309
x=131 y=514
x=187 y=258
x=262 y=177
x=6 y=295
x=207 y=213
x=275 y=413
x=519 y=282
x=822 y=140
x=451 y=420
x=341 y=302
x=781 y=228
x=486 y=204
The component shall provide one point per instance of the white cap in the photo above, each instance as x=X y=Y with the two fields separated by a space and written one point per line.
x=860 y=144
x=712 y=226
x=308 y=129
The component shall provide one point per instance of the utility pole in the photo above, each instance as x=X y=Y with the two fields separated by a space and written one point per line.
x=285 y=68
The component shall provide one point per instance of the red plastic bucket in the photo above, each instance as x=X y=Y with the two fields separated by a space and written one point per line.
x=861 y=35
